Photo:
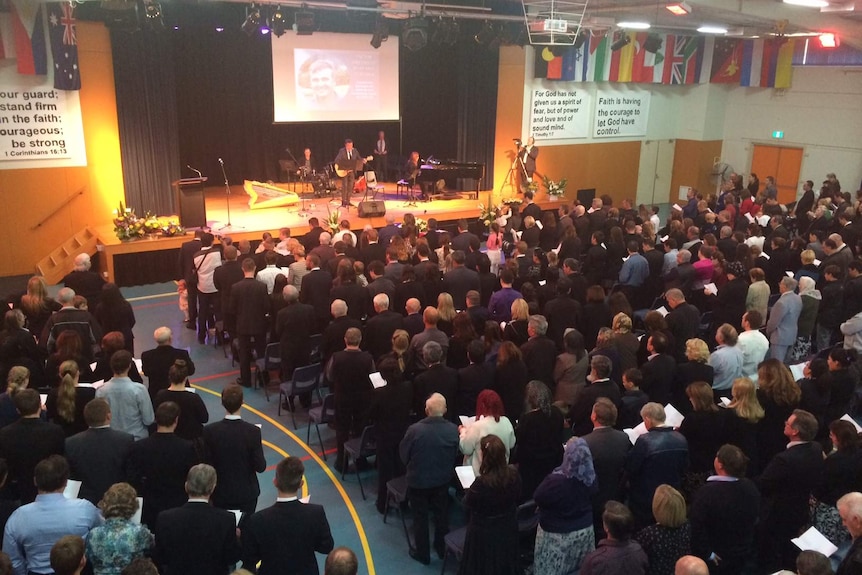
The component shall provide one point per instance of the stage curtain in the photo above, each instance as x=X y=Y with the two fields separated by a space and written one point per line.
x=477 y=106
x=146 y=110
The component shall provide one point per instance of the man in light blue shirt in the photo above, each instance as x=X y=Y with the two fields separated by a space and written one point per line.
x=34 y=528
x=635 y=268
x=131 y=407
x=726 y=360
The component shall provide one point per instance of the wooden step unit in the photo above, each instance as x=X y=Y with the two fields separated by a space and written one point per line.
x=61 y=261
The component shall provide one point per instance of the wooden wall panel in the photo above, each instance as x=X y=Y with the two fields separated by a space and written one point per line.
x=692 y=164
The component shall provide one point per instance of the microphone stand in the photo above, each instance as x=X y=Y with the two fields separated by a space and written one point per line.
x=227 y=197
x=302 y=213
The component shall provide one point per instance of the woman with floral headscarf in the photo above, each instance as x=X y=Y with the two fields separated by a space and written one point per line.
x=565 y=533
x=811 y=298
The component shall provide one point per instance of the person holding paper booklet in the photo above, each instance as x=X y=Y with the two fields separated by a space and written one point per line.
x=112 y=546
x=703 y=429
x=786 y=484
x=193 y=412
x=489 y=421
x=34 y=528
x=783 y=320
x=726 y=360
x=65 y=404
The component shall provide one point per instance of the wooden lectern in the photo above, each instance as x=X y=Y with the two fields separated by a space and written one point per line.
x=190 y=202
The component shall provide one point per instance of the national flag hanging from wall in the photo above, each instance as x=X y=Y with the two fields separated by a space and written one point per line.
x=29 y=34
x=7 y=37
x=683 y=54
x=64 y=46
x=726 y=65
x=556 y=63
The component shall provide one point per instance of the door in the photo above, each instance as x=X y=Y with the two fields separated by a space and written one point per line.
x=783 y=164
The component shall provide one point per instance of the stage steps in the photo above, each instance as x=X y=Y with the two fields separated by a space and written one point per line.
x=61 y=261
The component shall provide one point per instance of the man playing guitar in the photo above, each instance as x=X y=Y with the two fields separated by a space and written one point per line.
x=347 y=162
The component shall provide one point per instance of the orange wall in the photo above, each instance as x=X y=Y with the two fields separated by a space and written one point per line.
x=690 y=157
x=30 y=195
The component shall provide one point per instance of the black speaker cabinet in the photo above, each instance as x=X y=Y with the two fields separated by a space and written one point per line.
x=372 y=209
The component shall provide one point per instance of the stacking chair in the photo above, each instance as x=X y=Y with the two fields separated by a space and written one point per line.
x=357 y=448
x=305 y=380
x=321 y=415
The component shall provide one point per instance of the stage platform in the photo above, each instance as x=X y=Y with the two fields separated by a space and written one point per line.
x=146 y=260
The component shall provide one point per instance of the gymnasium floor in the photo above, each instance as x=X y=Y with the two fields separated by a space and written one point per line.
x=355 y=523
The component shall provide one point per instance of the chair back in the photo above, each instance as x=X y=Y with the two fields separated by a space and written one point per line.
x=314 y=346
x=527 y=516
x=370 y=178
x=368 y=441
x=327 y=412
x=272 y=357
x=306 y=378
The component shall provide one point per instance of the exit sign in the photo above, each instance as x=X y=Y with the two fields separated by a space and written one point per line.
x=778 y=135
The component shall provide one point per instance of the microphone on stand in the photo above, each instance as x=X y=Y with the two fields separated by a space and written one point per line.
x=220 y=161
x=194 y=170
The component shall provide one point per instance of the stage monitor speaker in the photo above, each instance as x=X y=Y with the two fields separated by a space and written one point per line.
x=372 y=209
x=585 y=196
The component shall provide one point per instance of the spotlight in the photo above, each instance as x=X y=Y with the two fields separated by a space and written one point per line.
x=621 y=43
x=153 y=15
x=414 y=35
x=829 y=40
x=303 y=23
x=446 y=32
x=252 y=21
x=381 y=33
x=653 y=43
x=277 y=22
x=679 y=8
x=486 y=35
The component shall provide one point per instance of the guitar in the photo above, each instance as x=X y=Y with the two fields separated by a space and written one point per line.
x=343 y=172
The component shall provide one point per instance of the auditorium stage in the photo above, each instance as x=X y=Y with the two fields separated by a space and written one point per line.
x=146 y=261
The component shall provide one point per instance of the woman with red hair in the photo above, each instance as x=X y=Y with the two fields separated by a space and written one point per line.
x=490 y=420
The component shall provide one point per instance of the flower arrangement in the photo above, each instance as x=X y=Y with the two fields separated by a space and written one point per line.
x=513 y=202
x=421 y=225
x=555 y=188
x=487 y=215
x=128 y=226
x=334 y=221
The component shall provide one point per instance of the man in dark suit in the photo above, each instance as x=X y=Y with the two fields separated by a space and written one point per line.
x=348 y=372
x=224 y=278
x=374 y=251
x=540 y=352
x=786 y=485
x=69 y=317
x=413 y=323
x=598 y=385
x=378 y=283
x=234 y=448
x=682 y=321
x=315 y=288
x=159 y=463
x=348 y=160
x=186 y=265
x=460 y=280
x=528 y=155
x=333 y=336
x=25 y=443
x=84 y=281
x=438 y=378
x=312 y=238
x=562 y=312
x=659 y=370
x=530 y=209
x=283 y=538
x=478 y=313
x=294 y=325
x=597 y=215
x=389 y=231
x=156 y=362
x=464 y=237
x=249 y=303
x=98 y=456
x=609 y=447
x=683 y=275
x=379 y=329
x=197 y=538
x=473 y=379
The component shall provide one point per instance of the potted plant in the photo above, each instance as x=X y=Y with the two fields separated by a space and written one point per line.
x=555 y=189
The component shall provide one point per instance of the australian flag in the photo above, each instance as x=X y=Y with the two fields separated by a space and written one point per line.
x=64 y=45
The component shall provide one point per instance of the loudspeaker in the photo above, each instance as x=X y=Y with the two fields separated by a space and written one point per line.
x=372 y=209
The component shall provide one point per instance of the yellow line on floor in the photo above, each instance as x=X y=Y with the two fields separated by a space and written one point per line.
x=284 y=453
x=338 y=486
x=154 y=296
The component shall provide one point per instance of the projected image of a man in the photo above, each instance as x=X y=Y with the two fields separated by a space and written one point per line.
x=323 y=81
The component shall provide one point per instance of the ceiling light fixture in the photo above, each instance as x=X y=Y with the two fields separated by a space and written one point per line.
x=808 y=3
x=634 y=25
x=278 y=22
x=414 y=34
x=829 y=40
x=712 y=30
x=252 y=21
x=381 y=33
x=621 y=43
x=679 y=8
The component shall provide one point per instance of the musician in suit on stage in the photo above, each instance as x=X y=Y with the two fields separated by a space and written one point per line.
x=381 y=157
x=348 y=160
x=528 y=155
x=306 y=165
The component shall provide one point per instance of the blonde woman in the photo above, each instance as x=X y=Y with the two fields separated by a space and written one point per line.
x=670 y=537
x=37 y=306
x=743 y=415
x=446 y=312
x=516 y=330
x=297 y=270
x=694 y=369
x=18 y=379
x=65 y=403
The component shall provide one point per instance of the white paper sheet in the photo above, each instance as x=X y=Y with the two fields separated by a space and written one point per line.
x=636 y=432
x=710 y=288
x=664 y=238
x=539 y=224
x=763 y=220
x=846 y=417
x=677 y=208
x=139 y=364
x=797 y=370
x=136 y=518
x=750 y=218
x=73 y=487
x=663 y=311
x=817 y=262
x=43 y=397
x=673 y=418
x=237 y=514
x=813 y=540
x=765 y=256
x=725 y=401
x=377 y=380
x=789 y=273
x=465 y=475
x=465 y=421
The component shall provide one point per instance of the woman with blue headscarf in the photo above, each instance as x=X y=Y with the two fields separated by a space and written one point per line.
x=565 y=533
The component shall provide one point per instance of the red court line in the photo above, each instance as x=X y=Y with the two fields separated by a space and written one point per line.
x=214 y=376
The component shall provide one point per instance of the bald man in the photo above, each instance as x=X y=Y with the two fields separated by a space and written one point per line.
x=690 y=565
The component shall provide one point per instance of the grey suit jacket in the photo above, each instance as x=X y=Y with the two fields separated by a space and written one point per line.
x=783 y=319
